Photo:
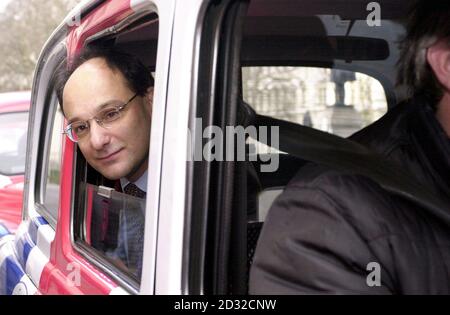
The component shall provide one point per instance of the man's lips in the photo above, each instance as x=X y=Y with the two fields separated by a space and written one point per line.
x=110 y=156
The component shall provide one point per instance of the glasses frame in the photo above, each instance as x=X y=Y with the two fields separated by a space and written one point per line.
x=119 y=108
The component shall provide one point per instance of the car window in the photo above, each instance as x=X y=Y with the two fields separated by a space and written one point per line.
x=53 y=168
x=13 y=142
x=109 y=220
x=332 y=100
x=336 y=101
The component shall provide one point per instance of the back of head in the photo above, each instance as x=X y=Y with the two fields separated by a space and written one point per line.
x=428 y=22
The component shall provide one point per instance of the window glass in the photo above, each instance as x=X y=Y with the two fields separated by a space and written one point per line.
x=115 y=226
x=13 y=143
x=336 y=101
x=53 y=171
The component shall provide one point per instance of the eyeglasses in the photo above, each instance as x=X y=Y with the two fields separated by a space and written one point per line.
x=79 y=129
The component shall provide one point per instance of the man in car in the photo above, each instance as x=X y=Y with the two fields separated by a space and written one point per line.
x=336 y=232
x=106 y=96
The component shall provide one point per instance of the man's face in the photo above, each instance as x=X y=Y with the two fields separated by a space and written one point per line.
x=121 y=150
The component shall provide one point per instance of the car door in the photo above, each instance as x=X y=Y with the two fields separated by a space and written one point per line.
x=52 y=252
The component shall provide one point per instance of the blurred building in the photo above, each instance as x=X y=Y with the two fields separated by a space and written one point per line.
x=339 y=102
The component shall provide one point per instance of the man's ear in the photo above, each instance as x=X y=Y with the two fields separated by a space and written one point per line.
x=438 y=57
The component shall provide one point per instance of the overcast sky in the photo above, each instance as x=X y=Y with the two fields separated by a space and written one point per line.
x=3 y=4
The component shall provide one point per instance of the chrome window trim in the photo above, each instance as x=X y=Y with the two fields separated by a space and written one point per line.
x=51 y=55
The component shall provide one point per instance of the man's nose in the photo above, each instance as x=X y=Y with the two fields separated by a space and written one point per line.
x=98 y=135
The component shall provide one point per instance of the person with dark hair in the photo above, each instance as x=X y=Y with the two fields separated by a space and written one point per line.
x=342 y=233
x=428 y=37
x=106 y=97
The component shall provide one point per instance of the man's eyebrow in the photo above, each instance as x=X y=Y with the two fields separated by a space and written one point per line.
x=97 y=109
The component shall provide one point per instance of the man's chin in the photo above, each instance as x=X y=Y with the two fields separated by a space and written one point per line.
x=113 y=175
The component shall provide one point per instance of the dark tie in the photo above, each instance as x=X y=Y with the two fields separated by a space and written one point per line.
x=133 y=190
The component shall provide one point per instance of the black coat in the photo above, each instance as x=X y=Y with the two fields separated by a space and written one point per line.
x=325 y=229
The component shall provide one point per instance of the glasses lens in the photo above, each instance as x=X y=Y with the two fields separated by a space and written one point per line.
x=70 y=134
x=109 y=115
x=77 y=130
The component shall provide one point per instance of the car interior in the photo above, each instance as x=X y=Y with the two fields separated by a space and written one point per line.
x=323 y=34
x=284 y=35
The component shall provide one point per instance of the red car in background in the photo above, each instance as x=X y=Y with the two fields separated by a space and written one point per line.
x=14 y=108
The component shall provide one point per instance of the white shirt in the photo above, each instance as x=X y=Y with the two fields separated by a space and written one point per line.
x=141 y=183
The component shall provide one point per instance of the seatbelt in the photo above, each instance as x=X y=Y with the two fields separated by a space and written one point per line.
x=351 y=157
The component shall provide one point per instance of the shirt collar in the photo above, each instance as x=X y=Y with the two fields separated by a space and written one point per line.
x=141 y=183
